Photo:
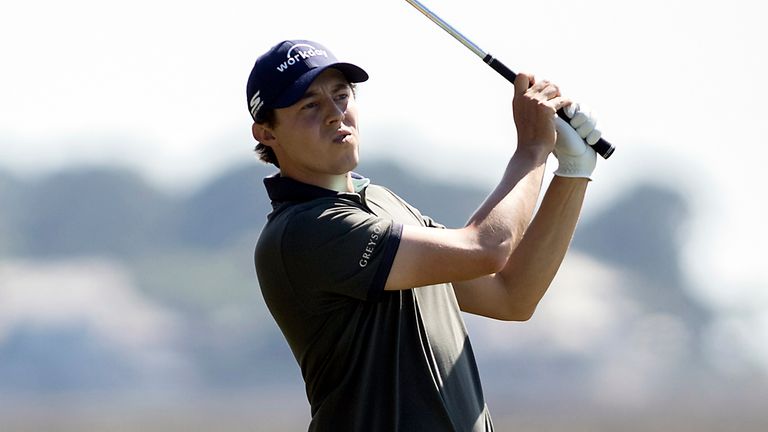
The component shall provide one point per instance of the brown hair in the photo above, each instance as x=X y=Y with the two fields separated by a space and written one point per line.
x=266 y=154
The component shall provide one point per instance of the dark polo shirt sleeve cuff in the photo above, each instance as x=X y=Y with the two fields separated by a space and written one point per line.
x=387 y=258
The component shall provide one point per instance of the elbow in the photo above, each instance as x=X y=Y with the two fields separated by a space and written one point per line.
x=495 y=254
x=493 y=251
x=520 y=314
x=491 y=261
x=517 y=305
x=525 y=315
x=488 y=252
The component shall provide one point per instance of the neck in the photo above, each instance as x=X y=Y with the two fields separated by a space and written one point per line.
x=338 y=183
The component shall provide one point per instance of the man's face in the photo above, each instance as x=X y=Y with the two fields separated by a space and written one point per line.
x=317 y=136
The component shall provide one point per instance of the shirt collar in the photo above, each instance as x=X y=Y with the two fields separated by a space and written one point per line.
x=282 y=189
x=359 y=182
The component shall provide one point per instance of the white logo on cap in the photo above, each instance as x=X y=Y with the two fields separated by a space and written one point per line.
x=256 y=103
x=303 y=52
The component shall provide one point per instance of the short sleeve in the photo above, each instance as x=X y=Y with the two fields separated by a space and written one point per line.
x=431 y=223
x=340 y=248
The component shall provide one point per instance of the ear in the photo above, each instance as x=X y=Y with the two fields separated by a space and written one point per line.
x=263 y=134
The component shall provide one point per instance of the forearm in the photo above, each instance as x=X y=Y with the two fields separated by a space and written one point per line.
x=534 y=263
x=517 y=285
x=505 y=214
x=428 y=256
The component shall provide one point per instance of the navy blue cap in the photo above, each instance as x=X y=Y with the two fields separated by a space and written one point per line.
x=281 y=76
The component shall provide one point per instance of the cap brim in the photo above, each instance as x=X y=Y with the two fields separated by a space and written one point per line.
x=296 y=91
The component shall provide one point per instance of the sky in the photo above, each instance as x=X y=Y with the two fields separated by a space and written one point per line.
x=159 y=87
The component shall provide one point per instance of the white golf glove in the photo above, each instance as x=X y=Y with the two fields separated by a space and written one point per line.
x=574 y=156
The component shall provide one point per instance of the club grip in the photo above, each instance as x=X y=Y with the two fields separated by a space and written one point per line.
x=500 y=68
x=601 y=147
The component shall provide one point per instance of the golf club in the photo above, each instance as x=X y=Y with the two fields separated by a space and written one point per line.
x=602 y=147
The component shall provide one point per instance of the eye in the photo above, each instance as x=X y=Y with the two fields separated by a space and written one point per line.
x=309 y=105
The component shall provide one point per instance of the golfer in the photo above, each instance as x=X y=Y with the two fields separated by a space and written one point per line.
x=367 y=291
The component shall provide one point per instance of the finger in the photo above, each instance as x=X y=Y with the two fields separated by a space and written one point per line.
x=539 y=85
x=571 y=110
x=579 y=119
x=523 y=82
x=593 y=137
x=559 y=102
x=585 y=129
x=546 y=89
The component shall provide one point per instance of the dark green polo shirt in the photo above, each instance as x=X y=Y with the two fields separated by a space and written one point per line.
x=372 y=360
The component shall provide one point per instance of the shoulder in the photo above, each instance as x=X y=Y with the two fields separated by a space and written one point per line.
x=313 y=221
x=391 y=201
x=385 y=196
x=289 y=214
x=383 y=192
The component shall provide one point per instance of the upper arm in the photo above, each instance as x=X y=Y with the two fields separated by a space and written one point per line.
x=428 y=256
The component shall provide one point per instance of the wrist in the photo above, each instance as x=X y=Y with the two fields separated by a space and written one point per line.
x=576 y=167
x=534 y=153
x=565 y=176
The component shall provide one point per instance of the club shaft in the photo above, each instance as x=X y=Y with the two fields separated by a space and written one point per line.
x=448 y=28
x=602 y=147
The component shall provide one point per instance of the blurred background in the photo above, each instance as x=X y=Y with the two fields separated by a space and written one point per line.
x=130 y=203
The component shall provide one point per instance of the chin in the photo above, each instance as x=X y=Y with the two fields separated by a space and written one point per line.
x=350 y=162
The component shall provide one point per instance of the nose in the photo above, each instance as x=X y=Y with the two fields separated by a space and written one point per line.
x=337 y=110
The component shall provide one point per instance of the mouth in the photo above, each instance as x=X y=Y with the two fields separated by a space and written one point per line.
x=342 y=136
